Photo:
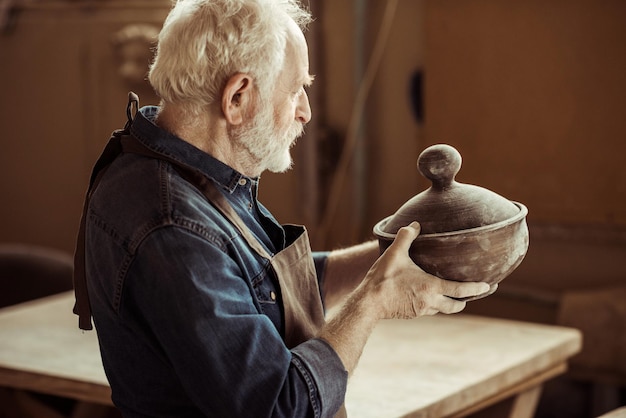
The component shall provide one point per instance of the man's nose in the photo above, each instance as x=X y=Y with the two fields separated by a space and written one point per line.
x=303 y=111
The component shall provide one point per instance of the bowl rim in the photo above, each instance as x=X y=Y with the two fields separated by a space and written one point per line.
x=513 y=219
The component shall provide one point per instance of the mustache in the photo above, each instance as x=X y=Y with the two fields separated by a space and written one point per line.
x=297 y=131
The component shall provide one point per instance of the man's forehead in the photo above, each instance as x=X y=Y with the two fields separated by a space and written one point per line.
x=297 y=59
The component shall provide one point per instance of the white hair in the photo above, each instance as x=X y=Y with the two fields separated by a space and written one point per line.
x=205 y=42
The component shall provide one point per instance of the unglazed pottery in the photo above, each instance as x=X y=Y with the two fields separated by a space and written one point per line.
x=468 y=233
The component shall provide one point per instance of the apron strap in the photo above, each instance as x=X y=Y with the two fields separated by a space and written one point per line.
x=113 y=149
x=82 y=306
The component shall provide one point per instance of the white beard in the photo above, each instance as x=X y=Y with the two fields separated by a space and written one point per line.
x=262 y=139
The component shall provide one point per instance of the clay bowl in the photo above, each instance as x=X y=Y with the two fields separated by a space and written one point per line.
x=468 y=233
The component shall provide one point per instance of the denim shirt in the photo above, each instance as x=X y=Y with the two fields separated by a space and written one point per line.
x=188 y=317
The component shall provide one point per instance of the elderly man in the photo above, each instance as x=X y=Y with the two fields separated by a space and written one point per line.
x=205 y=305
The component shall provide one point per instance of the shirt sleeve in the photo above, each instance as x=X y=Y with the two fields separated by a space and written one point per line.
x=319 y=260
x=201 y=314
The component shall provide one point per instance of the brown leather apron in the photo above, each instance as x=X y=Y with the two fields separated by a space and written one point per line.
x=293 y=266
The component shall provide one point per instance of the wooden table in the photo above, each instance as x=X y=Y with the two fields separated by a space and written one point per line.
x=440 y=366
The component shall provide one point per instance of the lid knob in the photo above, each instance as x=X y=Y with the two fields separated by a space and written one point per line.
x=449 y=205
x=440 y=164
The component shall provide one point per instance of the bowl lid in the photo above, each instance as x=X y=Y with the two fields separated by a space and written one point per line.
x=448 y=205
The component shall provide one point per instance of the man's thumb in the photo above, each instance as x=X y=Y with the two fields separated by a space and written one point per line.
x=406 y=235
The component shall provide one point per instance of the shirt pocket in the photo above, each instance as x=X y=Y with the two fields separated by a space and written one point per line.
x=267 y=293
x=264 y=288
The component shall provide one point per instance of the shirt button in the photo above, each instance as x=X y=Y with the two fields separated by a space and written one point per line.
x=242 y=181
x=272 y=295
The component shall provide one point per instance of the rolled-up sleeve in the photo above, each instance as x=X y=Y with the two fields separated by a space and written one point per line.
x=324 y=372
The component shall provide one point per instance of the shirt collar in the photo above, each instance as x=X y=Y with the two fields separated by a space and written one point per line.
x=162 y=141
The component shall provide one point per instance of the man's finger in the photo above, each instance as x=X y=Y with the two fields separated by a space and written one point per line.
x=406 y=235
x=464 y=289
x=451 y=306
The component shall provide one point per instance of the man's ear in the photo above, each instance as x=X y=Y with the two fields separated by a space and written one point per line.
x=237 y=98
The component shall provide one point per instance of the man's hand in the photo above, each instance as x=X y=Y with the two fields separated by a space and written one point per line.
x=394 y=287
x=401 y=289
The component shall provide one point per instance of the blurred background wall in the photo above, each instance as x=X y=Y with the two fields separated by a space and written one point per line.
x=533 y=95
x=64 y=77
